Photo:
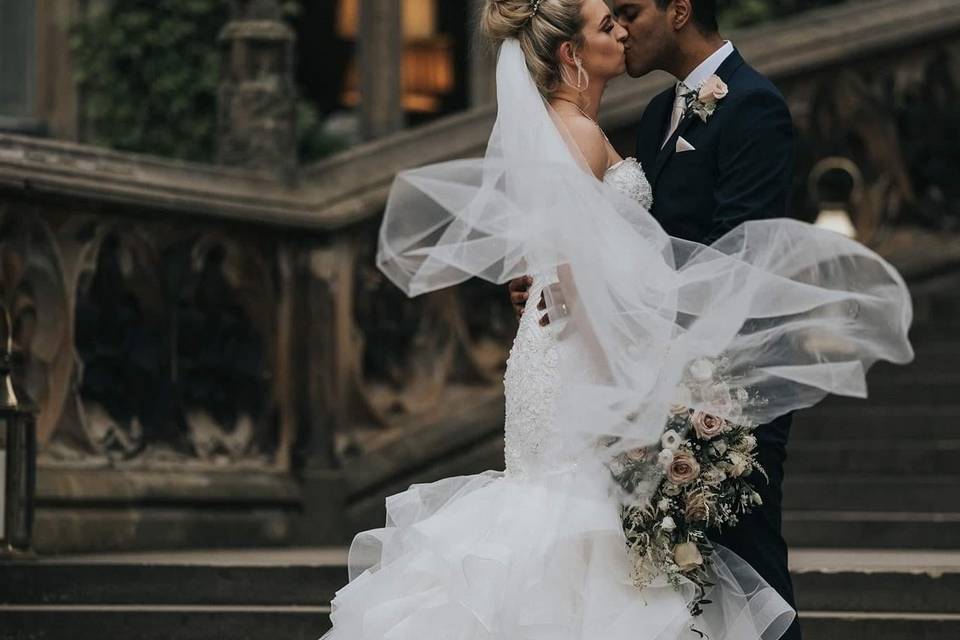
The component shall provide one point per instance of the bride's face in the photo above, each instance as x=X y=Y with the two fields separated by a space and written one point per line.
x=602 y=51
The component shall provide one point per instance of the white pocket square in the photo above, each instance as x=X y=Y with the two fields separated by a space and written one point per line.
x=683 y=145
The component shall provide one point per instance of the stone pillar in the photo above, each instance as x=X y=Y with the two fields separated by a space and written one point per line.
x=380 y=60
x=257 y=95
x=58 y=96
x=483 y=61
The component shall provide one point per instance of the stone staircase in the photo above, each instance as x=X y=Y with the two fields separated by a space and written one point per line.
x=267 y=595
x=883 y=472
x=872 y=513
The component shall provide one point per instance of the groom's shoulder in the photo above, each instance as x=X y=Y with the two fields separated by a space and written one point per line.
x=747 y=81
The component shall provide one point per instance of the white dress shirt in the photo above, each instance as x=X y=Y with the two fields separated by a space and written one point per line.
x=709 y=66
x=693 y=82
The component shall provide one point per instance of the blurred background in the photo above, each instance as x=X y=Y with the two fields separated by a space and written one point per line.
x=220 y=388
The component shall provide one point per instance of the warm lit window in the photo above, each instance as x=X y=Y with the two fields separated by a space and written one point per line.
x=428 y=59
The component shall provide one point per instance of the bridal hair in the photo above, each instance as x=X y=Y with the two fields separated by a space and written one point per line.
x=540 y=26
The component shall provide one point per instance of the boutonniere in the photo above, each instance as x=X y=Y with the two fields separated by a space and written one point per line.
x=705 y=101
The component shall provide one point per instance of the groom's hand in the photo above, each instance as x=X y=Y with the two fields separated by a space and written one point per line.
x=518 y=289
x=519 y=292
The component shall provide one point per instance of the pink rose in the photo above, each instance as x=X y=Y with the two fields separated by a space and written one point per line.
x=687 y=556
x=713 y=90
x=708 y=426
x=684 y=469
x=696 y=509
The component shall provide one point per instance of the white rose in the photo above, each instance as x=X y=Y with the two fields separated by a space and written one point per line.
x=671 y=489
x=702 y=370
x=670 y=440
x=665 y=458
x=713 y=90
x=664 y=504
x=714 y=476
x=687 y=556
x=748 y=444
x=739 y=464
x=667 y=524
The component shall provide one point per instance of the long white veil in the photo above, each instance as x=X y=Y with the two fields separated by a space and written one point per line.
x=787 y=311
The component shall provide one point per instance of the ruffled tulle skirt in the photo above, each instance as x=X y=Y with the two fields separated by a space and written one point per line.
x=494 y=557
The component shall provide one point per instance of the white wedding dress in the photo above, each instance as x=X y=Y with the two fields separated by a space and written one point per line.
x=788 y=312
x=536 y=552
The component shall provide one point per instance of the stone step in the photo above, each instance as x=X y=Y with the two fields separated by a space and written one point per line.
x=263 y=577
x=247 y=623
x=828 y=578
x=910 y=391
x=866 y=492
x=877 y=529
x=143 y=622
x=818 y=625
x=895 y=456
x=876 y=580
x=827 y=422
x=261 y=594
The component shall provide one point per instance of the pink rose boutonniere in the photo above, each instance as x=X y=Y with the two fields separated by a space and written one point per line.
x=708 y=97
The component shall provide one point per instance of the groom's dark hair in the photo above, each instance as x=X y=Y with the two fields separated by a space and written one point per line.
x=704 y=14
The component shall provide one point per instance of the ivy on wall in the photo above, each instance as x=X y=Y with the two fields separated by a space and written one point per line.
x=742 y=13
x=149 y=69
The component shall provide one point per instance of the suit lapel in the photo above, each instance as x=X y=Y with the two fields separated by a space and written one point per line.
x=729 y=66
x=725 y=71
x=658 y=114
x=668 y=149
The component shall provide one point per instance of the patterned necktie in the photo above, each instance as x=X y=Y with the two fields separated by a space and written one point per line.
x=679 y=107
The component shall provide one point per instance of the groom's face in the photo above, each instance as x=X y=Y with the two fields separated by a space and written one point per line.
x=650 y=40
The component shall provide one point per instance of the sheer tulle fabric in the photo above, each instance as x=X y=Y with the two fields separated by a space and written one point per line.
x=491 y=557
x=794 y=312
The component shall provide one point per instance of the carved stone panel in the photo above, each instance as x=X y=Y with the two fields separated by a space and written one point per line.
x=894 y=118
x=150 y=344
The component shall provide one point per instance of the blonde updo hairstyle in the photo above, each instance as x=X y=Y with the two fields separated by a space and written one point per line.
x=540 y=31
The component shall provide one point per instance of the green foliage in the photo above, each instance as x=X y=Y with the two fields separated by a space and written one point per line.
x=742 y=13
x=149 y=71
x=314 y=144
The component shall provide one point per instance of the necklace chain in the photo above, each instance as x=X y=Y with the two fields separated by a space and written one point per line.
x=585 y=115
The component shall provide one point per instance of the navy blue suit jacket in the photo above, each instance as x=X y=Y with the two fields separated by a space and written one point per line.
x=742 y=169
x=743 y=163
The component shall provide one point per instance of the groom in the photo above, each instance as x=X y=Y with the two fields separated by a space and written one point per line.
x=718 y=150
x=708 y=177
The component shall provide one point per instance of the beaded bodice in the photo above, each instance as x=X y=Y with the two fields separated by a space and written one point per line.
x=627 y=176
x=532 y=381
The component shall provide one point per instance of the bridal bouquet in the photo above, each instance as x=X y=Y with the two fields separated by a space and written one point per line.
x=698 y=474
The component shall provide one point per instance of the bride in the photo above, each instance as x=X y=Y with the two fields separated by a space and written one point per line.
x=785 y=312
